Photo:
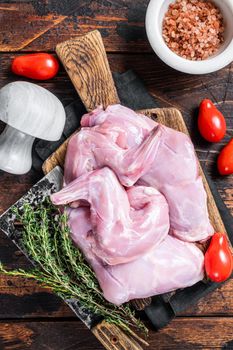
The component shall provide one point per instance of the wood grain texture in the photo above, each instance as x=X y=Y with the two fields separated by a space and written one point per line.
x=39 y=25
x=23 y=298
x=113 y=338
x=122 y=24
x=86 y=63
x=47 y=336
x=21 y=25
x=182 y=333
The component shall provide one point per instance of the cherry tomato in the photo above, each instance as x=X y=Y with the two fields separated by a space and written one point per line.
x=225 y=159
x=40 y=66
x=211 y=122
x=218 y=259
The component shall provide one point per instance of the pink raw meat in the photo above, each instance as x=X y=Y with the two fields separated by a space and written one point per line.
x=120 y=121
x=171 y=265
x=137 y=148
x=125 y=224
x=123 y=232
x=115 y=129
x=179 y=181
x=89 y=150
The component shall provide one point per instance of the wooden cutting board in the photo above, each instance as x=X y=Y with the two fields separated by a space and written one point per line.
x=86 y=63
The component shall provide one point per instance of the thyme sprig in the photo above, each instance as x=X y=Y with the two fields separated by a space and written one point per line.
x=62 y=267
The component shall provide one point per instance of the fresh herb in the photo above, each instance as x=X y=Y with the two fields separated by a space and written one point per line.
x=62 y=267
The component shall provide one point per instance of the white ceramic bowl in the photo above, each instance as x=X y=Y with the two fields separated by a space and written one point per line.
x=154 y=19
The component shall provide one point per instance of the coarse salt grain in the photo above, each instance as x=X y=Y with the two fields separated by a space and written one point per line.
x=193 y=29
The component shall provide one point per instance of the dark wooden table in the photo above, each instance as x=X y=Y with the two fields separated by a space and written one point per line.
x=30 y=317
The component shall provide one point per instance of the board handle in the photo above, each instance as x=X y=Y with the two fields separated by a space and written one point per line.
x=113 y=338
x=86 y=63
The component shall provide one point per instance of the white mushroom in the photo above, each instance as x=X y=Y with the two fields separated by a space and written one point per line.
x=29 y=111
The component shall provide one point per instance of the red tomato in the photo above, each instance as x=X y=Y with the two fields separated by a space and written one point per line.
x=40 y=66
x=218 y=259
x=225 y=159
x=211 y=122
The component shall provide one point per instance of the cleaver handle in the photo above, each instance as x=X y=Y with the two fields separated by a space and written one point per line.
x=113 y=338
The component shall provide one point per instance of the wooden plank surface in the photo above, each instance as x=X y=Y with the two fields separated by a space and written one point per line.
x=24 y=298
x=40 y=25
x=189 y=334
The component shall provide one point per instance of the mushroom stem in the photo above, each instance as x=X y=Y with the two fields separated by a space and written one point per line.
x=15 y=151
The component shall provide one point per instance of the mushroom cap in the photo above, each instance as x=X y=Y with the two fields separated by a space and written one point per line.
x=32 y=110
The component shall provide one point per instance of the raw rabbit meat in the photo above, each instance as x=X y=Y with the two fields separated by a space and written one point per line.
x=179 y=181
x=95 y=150
x=125 y=224
x=140 y=150
x=171 y=265
x=137 y=204
x=116 y=129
